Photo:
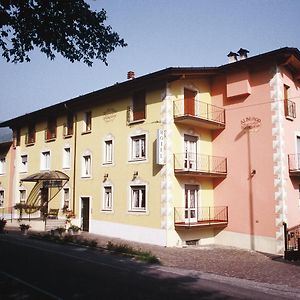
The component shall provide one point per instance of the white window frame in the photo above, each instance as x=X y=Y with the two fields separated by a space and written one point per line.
x=2 y=165
x=136 y=190
x=86 y=167
x=45 y=162
x=106 y=207
x=137 y=146
x=64 y=199
x=23 y=164
x=2 y=197
x=66 y=164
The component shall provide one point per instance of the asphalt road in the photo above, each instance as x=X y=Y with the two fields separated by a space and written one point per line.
x=31 y=269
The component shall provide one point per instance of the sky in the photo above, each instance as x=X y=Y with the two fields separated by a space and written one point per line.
x=160 y=34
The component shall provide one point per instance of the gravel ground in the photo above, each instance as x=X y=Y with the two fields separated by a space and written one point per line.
x=226 y=261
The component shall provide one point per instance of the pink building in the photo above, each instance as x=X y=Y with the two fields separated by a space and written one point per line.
x=261 y=141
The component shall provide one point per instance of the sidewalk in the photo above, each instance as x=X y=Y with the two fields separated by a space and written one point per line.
x=220 y=260
x=225 y=261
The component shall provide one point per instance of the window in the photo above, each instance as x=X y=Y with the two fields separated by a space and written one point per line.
x=66 y=198
x=87 y=122
x=30 y=136
x=107 y=198
x=45 y=160
x=1 y=198
x=68 y=127
x=108 y=151
x=138 y=198
x=138 y=147
x=86 y=166
x=24 y=164
x=67 y=158
x=51 y=129
x=289 y=106
x=138 y=110
x=16 y=137
x=2 y=165
x=22 y=196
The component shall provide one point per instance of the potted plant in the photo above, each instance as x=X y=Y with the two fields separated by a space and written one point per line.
x=73 y=229
x=59 y=231
x=24 y=228
x=2 y=225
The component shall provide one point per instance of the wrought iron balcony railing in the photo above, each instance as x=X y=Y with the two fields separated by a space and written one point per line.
x=203 y=165
x=199 y=113
x=201 y=216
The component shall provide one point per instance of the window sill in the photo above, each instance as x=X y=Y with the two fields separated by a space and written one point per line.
x=290 y=118
x=67 y=136
x=136 y=121
x=29 y=144
x=86 y=132
x=134 y=211
x=108 y=211
x=50 y=140
x=141 y=160
x=86 y=177
x=107 y=163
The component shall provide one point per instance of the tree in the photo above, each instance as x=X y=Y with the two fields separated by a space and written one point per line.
x=67 y=27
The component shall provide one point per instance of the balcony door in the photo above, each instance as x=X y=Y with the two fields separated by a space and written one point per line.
x=189 y=102
x=191 y=203
x=190 y=152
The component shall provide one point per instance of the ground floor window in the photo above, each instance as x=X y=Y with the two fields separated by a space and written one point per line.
x=138 y=198
x=107 y=198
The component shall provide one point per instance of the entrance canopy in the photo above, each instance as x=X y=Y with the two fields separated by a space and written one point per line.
x=46 y=176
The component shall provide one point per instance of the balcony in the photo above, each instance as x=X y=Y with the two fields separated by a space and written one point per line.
x=198 y=114
x=201 y=216
x=200 y=165
x=294 y=164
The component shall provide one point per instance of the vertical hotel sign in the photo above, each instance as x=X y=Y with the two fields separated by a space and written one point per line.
x=160 y=146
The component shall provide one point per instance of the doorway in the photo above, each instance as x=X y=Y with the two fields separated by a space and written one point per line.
x=85 y=213
x=191 y=203
x=44 y=193
x=189 y=102
x=190 y=152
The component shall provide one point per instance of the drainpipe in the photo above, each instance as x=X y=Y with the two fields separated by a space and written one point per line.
x=74 y=161
x=74 y=156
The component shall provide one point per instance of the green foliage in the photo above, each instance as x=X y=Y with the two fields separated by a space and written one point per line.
x=67 y=27
x=146 y=256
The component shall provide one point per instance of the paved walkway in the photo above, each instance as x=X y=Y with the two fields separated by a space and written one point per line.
x=219 y=260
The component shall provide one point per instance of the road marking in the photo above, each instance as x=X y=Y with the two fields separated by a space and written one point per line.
x=30 y=285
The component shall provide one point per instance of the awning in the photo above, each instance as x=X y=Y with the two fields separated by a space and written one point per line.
x=46 y=176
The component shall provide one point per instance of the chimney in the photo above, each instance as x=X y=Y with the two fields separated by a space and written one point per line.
x=130 y=75
x=232 y=57
x=243 y=53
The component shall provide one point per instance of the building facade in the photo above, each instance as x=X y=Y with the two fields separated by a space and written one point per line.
x=179 y=156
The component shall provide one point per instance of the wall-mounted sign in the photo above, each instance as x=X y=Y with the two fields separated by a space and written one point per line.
x=160 y=147
x=109 y=115
x=251 y=123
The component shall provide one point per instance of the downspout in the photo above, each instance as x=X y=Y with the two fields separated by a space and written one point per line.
x=74 y=157
x=74 y=161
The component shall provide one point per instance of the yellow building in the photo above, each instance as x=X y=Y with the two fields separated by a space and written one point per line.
x=134 y=160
